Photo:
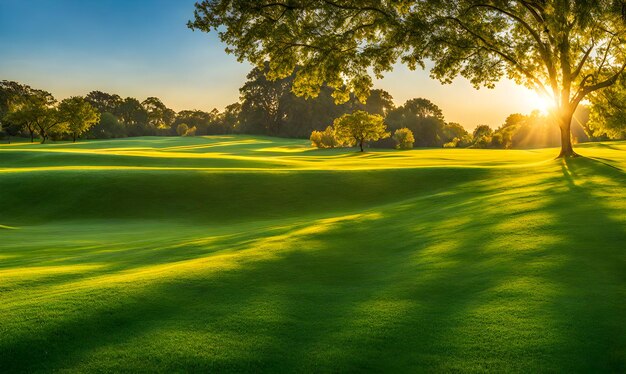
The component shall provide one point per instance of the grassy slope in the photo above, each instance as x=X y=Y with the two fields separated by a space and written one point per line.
x=241 y=253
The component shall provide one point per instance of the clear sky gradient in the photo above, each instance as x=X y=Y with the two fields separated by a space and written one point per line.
x=143 y=48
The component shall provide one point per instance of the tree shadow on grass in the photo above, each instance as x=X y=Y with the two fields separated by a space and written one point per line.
x=591 y=305
x=502 y=276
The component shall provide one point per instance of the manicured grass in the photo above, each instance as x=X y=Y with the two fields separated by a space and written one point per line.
x=248 y=253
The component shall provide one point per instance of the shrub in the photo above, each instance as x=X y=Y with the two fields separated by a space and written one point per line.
x=404 y=138
x=483 y=141
x=452 y=144
x=191 y=131
x=316 y=139
x=324 y=139
x=182 y=129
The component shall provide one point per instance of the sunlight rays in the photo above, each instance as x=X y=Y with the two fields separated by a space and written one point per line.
x=536 y=101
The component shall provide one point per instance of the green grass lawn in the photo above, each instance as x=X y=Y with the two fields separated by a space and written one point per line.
x=242 y=253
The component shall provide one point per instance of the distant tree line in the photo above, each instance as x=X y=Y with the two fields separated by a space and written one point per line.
x=35 y=113
x=24 y=110
x=270 y=107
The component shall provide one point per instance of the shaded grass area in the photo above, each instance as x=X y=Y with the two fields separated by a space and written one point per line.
x=415 y=269
x=213 y=197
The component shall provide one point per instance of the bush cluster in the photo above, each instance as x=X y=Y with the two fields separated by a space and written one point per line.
x=404 y=138
x=325 y=139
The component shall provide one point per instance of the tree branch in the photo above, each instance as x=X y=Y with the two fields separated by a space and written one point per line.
x=605 y=83
x=580 y=65
x=505 y=56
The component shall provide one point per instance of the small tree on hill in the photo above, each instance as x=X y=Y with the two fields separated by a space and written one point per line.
x=79 y=115
x=360 y=127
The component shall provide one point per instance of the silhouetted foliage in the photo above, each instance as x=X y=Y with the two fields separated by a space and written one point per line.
x=25 y=107
x=423 y=118
x=104 y=102
x=36 y=112
x=11 y=94
x=194 y=118
x=108 y=127
x=133 y=116
x=272 y=108
x=160 y=117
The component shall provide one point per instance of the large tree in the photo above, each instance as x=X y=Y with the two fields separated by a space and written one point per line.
x=229 y=118
x=108 y=127
x=11 y=93
x=194 y=118
x=34 y=111
x=160 y=117
x=565 y=49
x=12 y=96
x=49 y=120
x=104 y=102
x=261 y=110
x=132 y=113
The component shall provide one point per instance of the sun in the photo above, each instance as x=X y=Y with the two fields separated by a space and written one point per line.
x=542 y=103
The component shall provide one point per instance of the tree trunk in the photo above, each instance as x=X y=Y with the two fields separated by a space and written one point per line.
x=565 y=123
x=361 y=145
x=32 y=136
x=74 y=138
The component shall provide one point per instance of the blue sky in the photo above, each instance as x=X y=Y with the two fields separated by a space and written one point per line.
x=143 y=48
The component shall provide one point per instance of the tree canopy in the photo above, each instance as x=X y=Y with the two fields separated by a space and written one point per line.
x=564 y=49
x=34 y=110
x=608 y=112
x=79 y=115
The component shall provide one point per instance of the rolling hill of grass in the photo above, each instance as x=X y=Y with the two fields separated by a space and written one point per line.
x=248 y=253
